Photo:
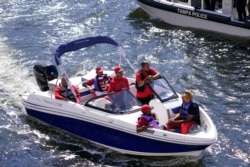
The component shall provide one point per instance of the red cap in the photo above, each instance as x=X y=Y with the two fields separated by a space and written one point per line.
x=145 y=108
x=118 y=69
x=98 y=69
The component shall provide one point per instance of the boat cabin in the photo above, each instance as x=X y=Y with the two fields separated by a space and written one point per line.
x=225 y=7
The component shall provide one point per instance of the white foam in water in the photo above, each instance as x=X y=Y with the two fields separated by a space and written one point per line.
x=232 y=111
x=242 y=155
x=68 y=157
x=14 y=78
x=40 y=135
x=215 y=149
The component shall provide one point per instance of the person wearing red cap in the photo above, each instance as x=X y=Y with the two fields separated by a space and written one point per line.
x=101 y=81
x=119 y=82
x=147 y=119
x=143 y=78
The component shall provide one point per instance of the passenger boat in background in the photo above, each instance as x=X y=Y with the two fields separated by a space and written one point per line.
x=110 y=120
x=194 y=14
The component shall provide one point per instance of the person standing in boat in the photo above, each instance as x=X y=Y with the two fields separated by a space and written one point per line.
x=241 y=8
x=101 y=82
x=210 y=4
x=64 y=92
x=119 y=82
x=147 y=119
x=188 y=115
x=143 y=78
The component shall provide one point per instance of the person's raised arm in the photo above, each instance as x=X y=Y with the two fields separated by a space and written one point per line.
x=155 y=74
x=139 y=80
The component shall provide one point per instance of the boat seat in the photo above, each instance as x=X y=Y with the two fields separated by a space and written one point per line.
x=160 y=110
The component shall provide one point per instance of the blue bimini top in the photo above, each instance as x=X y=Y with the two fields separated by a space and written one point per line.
x=81 y=43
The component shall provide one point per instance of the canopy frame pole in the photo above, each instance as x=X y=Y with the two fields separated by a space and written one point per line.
x=123 y=54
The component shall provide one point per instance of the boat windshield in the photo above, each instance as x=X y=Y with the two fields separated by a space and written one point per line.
x=163 y=90
x=117 y=103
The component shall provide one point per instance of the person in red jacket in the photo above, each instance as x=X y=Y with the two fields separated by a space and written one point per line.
x=143 y=78
x=63 y=92
x=118 y=82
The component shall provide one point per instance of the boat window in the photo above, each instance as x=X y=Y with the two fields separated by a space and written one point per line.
x=117 y=103
x=163 y=90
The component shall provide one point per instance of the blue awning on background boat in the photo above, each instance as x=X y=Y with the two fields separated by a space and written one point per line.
x=81 y=43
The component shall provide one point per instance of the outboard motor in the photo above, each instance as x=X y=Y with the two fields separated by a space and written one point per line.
x=44 y=72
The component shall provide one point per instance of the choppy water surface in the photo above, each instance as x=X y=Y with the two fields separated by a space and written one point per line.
x=216 y=68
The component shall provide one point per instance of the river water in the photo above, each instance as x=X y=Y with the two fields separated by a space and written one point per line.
x=215 y=67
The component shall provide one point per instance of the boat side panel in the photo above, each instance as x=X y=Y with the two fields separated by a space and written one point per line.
x=196 y=13
x=185 y=20
x=112 y=138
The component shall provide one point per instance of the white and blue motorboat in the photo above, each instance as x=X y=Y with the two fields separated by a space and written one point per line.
x=197 y=14
x=113 y=126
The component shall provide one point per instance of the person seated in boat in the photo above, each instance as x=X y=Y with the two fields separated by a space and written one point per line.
x=119 y=82
x=147 y=119
x=101 y=82
x=188 y=115
x=64 y=92
x=143 y=78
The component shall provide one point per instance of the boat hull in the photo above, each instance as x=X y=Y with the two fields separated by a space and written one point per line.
x=179 y=16
x=115 y=138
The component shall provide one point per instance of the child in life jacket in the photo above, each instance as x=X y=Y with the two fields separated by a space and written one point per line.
x=147 y=119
